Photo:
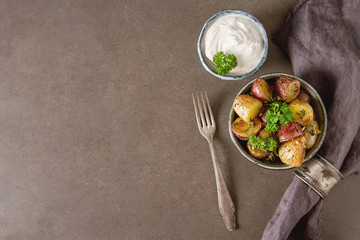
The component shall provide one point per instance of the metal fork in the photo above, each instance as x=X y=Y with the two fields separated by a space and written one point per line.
x=207 y=127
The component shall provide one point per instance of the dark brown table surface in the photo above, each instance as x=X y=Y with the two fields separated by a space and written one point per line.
x=98 y=133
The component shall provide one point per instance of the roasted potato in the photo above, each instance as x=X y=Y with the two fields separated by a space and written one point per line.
x=262 y=114
x=264 y=134
x=311 y=134
x=247 y=107
x=243 y=130
x=287 y=88
x=255 y=152
x=304 y=96
x=303 y=113
x=289 y=131
x=261 y=90
x=292 y=152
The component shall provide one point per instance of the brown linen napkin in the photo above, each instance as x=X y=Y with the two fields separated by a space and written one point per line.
x=322 y=39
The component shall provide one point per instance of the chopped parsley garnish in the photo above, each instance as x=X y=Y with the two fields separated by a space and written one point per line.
x=272 y=157
x=278 y=113
x=267 y=144
x=224 y=62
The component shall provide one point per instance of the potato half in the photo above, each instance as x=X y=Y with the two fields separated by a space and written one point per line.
x=311 y=134
x=292 y=152
x=243 y=130
x=287 y=88
x=257 y=153
x=289 y=131
x=303 y=113
x=247 y=107
x=261 y=90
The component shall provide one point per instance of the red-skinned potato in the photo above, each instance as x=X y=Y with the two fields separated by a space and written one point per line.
x=287 y=88
x=247 y=107
x=243 y=130
x=311 y=134
x=292 y=152
x=262 y=114
x=261 y=90
x=289 y=131
x=303 y=113
x=304 y=96
x=255 y=152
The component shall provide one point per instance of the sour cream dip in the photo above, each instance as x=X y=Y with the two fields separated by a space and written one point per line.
x=235 y=34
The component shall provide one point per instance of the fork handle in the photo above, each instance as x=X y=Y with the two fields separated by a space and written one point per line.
x=226 y=205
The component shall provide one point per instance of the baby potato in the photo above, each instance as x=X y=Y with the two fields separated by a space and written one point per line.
x=247 y=107
x=255 y=152
x=287 y=88
x=243 y=130
x=311 y=134
x=289 y=131
x=262 y=114
x=304 y=96
x=264 y=134
x=261 y=90
x=292 y=152
x=302 y=112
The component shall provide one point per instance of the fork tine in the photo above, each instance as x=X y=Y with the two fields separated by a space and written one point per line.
x=201 y=111
x=210 y=111
x=196 y=112
x=206 y=113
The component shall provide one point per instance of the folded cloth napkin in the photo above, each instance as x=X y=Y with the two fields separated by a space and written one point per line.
x=322 y=39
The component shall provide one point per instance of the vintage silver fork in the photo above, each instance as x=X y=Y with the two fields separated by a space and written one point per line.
x=207 y=127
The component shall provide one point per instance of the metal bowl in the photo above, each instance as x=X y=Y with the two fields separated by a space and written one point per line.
x=319 y=110
x=210 y=66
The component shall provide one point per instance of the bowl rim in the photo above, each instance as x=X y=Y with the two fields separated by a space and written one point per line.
x=262 y=33
x=258 y=162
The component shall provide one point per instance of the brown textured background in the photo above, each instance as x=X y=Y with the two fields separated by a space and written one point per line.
x=98 y=138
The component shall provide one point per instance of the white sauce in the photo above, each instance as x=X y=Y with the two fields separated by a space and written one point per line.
x=236 y=35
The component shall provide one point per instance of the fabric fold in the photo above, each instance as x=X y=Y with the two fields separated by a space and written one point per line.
x=321 y=39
